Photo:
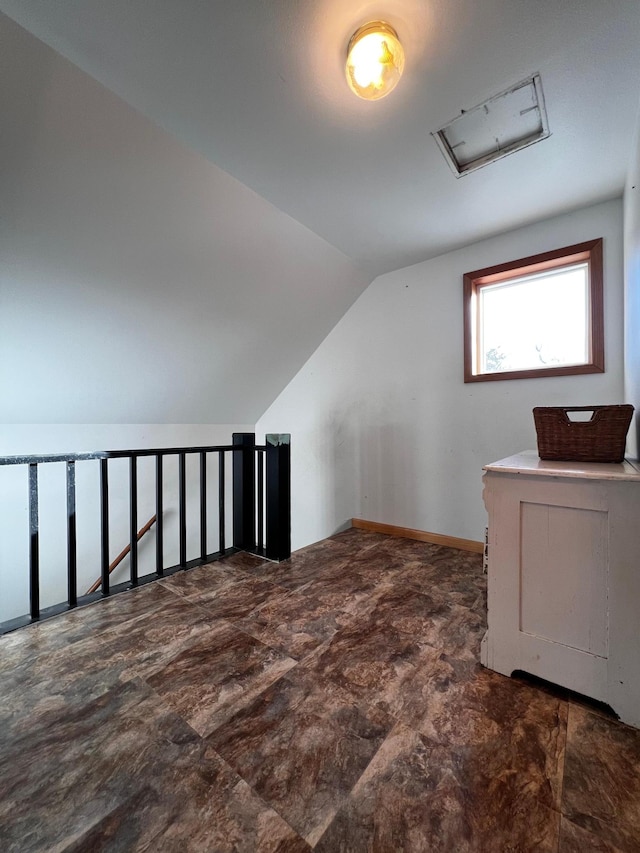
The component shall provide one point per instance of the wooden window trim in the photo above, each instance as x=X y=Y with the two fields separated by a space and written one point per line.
x=591 y=251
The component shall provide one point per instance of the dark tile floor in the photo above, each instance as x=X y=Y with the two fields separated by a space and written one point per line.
x=332 y=702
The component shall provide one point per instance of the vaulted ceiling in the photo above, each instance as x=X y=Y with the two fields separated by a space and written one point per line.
x=256 y=89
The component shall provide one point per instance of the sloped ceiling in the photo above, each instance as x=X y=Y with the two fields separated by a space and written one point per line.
x=138 y=262
x=258 y=88
x=139 y=283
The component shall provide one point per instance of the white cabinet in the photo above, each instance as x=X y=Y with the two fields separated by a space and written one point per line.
x=564 y=576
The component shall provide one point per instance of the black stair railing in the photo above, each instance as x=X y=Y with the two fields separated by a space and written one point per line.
x=261 y=493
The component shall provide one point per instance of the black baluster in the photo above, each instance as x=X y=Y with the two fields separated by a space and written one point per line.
x=133 y=526
x=159 y=510
x=221 y=488
x=203 y=505
x=72 y=554
x=260 y=463
x=34 y=543
x=182 y=478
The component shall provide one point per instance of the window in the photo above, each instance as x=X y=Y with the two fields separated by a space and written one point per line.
x=539 y=316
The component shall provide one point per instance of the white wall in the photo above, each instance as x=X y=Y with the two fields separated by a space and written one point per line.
x=383 y=426
x=77 y=438
x=632 y=291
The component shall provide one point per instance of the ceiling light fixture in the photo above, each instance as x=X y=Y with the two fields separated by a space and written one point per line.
x=375 y=61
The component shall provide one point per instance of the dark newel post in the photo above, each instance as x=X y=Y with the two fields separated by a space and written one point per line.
x=244 y=491
x=278 y=496
x=104 y=524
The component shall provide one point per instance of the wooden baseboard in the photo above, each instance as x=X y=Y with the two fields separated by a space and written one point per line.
x=420 y=535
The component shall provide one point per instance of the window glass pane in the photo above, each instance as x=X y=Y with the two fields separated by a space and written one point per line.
x=535 y=322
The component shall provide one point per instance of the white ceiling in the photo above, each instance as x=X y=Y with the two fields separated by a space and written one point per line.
x=173 y=250
x=140 y=283
x=258 y=88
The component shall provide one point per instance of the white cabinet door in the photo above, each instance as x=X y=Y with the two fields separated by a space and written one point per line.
x=564 y=577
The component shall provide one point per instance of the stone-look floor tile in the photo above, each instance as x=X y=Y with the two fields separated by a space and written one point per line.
x=387 y=632
x=243 y=561
x=46 y=684
x=81 y=672
x=358 y=540
x=295 y=622
x=297 y=572
x=350 y=593
x=194 y=583
x=459 y=560
x=124 y=773
x=211 y=679
x=462 y=586
x=211 y=809
x=58 y=773
x=433 y=556
x=574 y=839
x=411 y=549
x=515 y=731
x=462 y=634
x=466 y=564
x=435 y=617
x=150 y=643
x=302 y=746
x=602 y=778
x=420 y=615
x=378 y=564
x=76 y=625
x=377 y=663
x=228 y=594
x=324 y=559
x=237 y=600
x=456 y=628
x=416 y=797
x=326 y=549
x=378 y=654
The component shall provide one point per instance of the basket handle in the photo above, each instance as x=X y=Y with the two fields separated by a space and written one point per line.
x=595 y=413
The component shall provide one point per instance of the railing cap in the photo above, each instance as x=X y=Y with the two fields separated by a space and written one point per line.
x=278 y=439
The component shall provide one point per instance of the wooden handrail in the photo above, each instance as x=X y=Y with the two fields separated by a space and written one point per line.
x=94 y=586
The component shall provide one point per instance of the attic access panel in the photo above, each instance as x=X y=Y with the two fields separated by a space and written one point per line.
x=507 y=122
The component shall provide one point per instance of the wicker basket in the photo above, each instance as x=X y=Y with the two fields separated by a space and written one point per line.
x=600 y=439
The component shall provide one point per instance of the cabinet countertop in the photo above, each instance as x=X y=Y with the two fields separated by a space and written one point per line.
x=528 y=462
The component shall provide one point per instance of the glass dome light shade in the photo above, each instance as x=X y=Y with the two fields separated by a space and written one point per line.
x=375 y=61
